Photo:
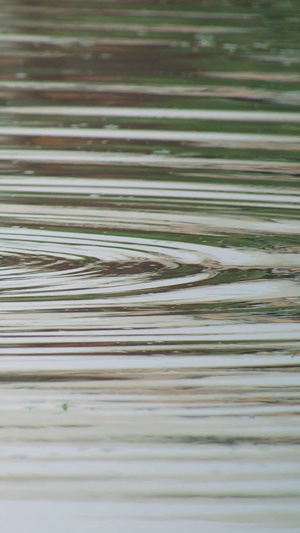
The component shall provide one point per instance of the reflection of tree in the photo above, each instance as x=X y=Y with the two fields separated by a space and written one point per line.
x=279 y=18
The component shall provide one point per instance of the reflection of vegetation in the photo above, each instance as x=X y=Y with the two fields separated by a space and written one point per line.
x=279 y=18
x=262 y=103
x=234 y=126
x=148 y=147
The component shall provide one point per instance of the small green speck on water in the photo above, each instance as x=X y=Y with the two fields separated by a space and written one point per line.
x=64 y=406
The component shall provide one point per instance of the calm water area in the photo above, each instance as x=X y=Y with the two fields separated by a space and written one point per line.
x=149 y=266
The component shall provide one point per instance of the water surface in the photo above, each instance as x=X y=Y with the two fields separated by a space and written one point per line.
x=149 y=266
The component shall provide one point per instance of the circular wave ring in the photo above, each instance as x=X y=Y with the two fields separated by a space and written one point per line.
x=85 y=269
x=42 y=263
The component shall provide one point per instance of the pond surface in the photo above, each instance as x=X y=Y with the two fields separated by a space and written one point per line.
x=149 y=266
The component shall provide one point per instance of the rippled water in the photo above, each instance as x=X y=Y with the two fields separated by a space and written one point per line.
x=149 y=266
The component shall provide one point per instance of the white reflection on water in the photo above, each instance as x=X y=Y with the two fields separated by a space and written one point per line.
x=149 y=268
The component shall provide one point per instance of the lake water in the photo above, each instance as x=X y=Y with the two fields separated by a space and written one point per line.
x=149 y=261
